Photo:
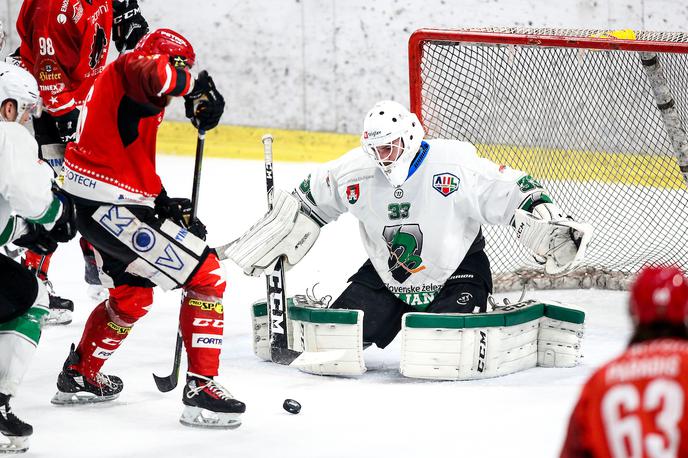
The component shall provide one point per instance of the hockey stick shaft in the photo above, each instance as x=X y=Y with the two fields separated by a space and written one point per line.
x=275 y=285
x=168 y=383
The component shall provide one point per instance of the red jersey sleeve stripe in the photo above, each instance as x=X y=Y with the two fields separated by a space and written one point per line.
x=177 y=81
x=169 y=74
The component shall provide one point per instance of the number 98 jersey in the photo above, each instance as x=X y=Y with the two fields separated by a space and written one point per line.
x=635 y=406
x=64 y=45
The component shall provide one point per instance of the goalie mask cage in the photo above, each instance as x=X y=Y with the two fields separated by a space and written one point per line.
x=597 y=117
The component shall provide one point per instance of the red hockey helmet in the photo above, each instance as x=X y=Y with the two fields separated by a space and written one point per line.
x=169 y=42
x=660 y=294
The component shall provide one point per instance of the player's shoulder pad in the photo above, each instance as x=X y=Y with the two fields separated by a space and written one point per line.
x=353 y=161
x=14 y=132
x=451 y=151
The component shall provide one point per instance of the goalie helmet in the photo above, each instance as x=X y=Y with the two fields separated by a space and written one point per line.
x=659 y=294
x=392 y=136
x=171 y=43
x=18 y=85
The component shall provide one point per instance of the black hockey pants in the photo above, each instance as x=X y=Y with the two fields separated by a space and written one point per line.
x=466 y=291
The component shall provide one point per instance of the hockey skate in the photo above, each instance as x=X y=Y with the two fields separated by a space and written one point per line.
x=60 y=309
x=73 y=387
x=208 y=404
x=13 y=429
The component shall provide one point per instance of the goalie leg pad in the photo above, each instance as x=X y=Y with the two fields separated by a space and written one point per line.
x=261 y=334
x=329 y=330
x=561 y=336
x=476 y=346
x=313 y=331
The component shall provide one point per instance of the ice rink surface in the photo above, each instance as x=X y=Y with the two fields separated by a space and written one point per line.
x=380 y=414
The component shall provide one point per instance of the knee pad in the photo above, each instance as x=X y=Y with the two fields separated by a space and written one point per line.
x=129 y=303
x=209 y=280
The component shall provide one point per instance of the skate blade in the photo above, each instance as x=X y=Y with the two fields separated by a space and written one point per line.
x=17 y=444
x=82 y=397
x=197 y=417
x=58 y=318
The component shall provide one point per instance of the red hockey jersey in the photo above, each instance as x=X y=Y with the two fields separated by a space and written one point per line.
x=64 y=44
x=635 y=406
x=113 y=159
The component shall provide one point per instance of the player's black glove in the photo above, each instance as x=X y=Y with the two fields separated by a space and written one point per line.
x=37 y=239
x=128 y=25
x=178 y=209
x=204 y=105
x=66 y=126
x=64 y=229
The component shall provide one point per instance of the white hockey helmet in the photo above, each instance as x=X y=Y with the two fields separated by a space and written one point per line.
x=20 y=86
x=392 y=136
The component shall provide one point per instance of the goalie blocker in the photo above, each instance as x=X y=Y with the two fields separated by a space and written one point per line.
x=435 y=345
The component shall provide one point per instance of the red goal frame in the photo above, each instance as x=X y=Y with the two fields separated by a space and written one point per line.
x=421 y=36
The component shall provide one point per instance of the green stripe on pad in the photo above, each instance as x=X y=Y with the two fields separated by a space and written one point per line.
x=311 y=314
x=260 y=308
x=318 y=315
x=7 y=232
x=50 y=215
x=499 y=318
x=556 y=312
x=29 y=324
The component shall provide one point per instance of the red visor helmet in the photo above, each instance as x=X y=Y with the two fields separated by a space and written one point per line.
x=660 y=294
x=169 y=42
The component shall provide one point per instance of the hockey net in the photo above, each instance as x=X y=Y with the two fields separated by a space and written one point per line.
x=597 y=117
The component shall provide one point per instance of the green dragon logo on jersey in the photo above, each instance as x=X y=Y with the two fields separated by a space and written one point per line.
x=305 y=188
x=405 y=244
x=528 y=183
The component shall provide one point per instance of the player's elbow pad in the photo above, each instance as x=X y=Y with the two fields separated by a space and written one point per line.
x=283 y=231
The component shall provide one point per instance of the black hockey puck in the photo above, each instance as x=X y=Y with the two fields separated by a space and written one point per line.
x=292 y=406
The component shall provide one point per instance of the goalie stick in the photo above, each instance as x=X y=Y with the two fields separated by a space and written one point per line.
x=276 y=293
x=168 y=383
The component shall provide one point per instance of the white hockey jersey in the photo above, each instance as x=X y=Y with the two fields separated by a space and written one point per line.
x=417 y=234
x=25 y=182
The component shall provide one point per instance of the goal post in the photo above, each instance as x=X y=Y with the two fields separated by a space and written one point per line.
x=598 y=117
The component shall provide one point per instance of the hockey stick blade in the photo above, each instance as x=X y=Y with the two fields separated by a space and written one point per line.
x=310 y=358
x=283 y=356
x=169 y=383
x=165 y=384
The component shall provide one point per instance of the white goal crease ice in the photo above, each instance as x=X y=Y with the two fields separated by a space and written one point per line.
x=598 y=117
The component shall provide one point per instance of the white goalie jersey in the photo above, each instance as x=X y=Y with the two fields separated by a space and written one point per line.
x=417 y=234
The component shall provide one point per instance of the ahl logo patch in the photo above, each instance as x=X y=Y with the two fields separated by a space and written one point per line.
x=353 y=192
x=445 y=183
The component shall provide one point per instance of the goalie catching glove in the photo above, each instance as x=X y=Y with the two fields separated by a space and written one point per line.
x=283 y=231
x=557 y=241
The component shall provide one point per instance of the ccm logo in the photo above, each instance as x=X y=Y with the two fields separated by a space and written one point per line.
x=205 y=322
x=206 y=341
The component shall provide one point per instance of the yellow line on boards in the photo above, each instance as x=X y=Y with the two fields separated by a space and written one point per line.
x=236 y=142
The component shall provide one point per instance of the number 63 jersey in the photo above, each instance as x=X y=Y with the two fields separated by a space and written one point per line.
x=635 y=406
x=417 y=234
